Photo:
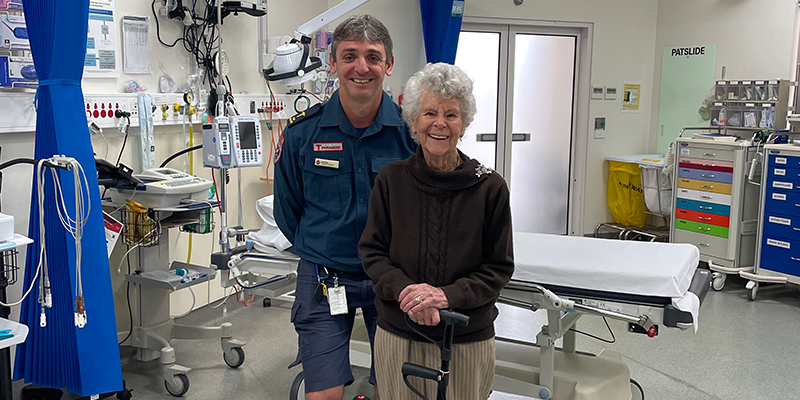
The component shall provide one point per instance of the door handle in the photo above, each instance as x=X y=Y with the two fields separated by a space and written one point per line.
x=710 y=154
x=707 y=176
x=707 y=186
x=705 y=219
x=492 y=137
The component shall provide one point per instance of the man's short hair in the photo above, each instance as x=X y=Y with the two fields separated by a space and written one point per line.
x=362 y=27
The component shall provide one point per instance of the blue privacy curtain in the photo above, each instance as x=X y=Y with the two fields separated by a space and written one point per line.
x=84 y=360
x=441 y=24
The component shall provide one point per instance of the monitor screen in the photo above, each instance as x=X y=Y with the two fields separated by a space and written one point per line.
x=247 y=134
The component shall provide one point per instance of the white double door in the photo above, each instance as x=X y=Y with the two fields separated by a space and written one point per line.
x=525 y=86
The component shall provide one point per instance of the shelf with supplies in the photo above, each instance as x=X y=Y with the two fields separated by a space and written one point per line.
x=750 y=104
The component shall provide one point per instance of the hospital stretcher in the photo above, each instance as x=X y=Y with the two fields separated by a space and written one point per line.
x=648 y=285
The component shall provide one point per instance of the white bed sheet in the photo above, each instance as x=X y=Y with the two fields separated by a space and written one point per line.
x=629 y=267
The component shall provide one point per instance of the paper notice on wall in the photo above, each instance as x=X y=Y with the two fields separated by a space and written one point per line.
x=135 y=45
x=102 y=43
x=113 y=229
x=631 y=93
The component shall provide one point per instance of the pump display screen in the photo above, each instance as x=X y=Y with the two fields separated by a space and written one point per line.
x=247 y=135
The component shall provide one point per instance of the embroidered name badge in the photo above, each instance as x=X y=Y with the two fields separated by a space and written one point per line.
x=321 y=162
x=334 y=146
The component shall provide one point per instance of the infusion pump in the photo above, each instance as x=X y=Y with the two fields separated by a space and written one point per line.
x=233 y=142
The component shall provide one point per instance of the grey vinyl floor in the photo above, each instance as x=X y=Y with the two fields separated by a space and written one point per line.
x=743 y=349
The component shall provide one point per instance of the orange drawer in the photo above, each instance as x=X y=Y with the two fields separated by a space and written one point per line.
x=706 y=218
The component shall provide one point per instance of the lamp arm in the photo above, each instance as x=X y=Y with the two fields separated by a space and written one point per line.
x=327 y=17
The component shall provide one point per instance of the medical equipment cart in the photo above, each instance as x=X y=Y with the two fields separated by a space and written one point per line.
x=716 y=209
x=777 y=254
x=148 y=231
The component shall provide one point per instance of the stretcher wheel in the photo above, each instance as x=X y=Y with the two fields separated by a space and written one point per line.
x=237 y=358
x=267 y=302
x=719 y=281
x=179 y=388
x=298 y=390
x=751 y=294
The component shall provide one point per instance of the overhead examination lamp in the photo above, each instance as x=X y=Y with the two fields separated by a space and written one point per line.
x=293 y=62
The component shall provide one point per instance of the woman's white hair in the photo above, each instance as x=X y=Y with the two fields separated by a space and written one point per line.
x=444 y=80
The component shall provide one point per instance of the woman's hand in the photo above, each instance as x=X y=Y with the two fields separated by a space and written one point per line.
x=415 y=298
x=428 y=316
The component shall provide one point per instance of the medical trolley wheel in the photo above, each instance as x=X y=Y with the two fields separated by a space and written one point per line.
x=237 y=357
x=752 y=290
x=298 y=390
x=179 y=385
x=267 y=302
x=718 y=281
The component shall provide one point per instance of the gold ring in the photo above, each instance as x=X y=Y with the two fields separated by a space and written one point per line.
x=418 y=299
x=421 y=322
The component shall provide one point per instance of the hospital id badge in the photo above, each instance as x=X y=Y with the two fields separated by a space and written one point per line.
x=337 y=300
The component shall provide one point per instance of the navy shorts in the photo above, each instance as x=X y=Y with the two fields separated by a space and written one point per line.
x=324 y=339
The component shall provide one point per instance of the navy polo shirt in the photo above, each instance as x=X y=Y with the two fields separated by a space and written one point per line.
x=324 y=174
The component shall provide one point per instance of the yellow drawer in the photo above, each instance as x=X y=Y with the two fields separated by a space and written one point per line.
x=706 y=186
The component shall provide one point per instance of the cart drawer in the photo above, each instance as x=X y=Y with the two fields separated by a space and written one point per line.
x=780 y=255
x=785 y=203
x=704 y=207
x=708 y=197
x=713 y=176
x=696 y=216
x=706 y=165
x=782 y=226
x=707 y=244
x=784 y=161
x=783 y=173
x=695 y=184
x=700 y=227
x=690 y=150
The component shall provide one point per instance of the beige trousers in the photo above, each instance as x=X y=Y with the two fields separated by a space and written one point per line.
x=471 y=369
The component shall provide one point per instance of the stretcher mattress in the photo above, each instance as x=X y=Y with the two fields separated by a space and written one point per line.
x=615 y=266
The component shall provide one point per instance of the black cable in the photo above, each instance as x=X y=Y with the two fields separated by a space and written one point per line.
x=128 y=296
x=613 y=338
x=180 y=153
x=124 y=141
x=158 y=29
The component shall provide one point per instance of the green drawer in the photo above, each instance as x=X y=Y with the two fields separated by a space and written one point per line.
x=700 y=227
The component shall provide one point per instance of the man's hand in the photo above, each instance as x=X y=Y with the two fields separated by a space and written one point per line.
x=428 y=316
x=415 y=298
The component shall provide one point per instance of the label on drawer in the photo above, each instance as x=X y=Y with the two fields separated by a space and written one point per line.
x=782 y=221
x=780 y=160
x=685 y=152
x=778 y=243
x=779 y=196
x=782 y=185
x=780 y=171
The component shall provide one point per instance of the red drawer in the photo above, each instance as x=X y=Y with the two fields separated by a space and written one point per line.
x=711 y=165
x=706 y=218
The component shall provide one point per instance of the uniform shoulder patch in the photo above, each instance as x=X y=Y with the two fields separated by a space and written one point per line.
x=304 y=115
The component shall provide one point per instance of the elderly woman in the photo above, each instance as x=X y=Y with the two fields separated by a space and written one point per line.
x=438 y=236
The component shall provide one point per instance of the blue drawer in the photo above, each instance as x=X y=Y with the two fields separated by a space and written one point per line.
x=780 y=202
x=702 y=206
x=781 y=226
x=703 y=175
x=781 y=160
x=782 y=173
x=780 y=255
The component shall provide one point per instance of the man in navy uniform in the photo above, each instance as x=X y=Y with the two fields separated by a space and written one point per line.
x=325 y=167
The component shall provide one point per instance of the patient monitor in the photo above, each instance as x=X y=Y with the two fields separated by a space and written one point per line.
x=233 y=142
